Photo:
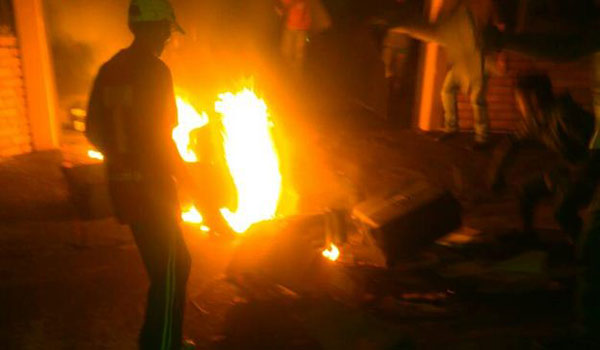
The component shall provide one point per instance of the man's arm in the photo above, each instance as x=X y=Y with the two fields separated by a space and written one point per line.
x=505 y=154
x=566 y=47
x=419 y=29
x=94 y=126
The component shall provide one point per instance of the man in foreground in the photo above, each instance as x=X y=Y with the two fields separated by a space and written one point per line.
x=130 y=117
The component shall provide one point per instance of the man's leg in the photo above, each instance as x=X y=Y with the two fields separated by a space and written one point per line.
x=449 y=91
x=588 y=300
x=387 y=56
x=530 y=195
x=167 y=262
x=573 y=196
x=595 y=143
x=479 y=105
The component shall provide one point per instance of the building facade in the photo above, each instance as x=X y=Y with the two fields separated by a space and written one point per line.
x=27 y=91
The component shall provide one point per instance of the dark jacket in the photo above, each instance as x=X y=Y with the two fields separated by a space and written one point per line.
x=131 y=115
x=566 y=130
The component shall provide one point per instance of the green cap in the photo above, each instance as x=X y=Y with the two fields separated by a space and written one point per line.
x=153 y=11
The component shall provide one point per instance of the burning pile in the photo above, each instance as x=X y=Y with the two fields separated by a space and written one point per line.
x=251 y=157
x=250 y=154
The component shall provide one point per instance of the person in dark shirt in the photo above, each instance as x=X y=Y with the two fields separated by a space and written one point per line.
x=564 y=128
x=131 y=114
x=579 y=41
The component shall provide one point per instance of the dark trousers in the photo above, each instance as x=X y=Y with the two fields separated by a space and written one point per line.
x=570 y=194
x=588 y=296
x=167 y=262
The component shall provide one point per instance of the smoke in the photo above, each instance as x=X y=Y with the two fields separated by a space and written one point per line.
x=83 y=35
x=225 y=40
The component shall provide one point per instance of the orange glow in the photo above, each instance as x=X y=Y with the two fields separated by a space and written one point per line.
x=434 y=10
x=251 y=157
x=428 y=86
x=332 y=253
x=95 y=155
x=189 y=120
x=429 y=72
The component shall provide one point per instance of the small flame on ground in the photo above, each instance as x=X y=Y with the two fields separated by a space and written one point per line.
x=332 y=253
x=95 y=155
x=251 y=157
x=191 y=215
x=188 y=120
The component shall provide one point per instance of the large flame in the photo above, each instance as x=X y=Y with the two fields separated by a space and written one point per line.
x=251 y=157
x=189 y=120
x=249 y=151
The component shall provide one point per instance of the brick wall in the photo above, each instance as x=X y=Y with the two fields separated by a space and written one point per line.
x=15 y=137
x=573 y=77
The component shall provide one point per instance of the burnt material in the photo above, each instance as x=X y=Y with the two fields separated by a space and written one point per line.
x=408 y=219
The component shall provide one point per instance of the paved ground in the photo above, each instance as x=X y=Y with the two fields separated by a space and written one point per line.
x=66 y=284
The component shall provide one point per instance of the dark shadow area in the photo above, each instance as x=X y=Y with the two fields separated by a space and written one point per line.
x=34 y=189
